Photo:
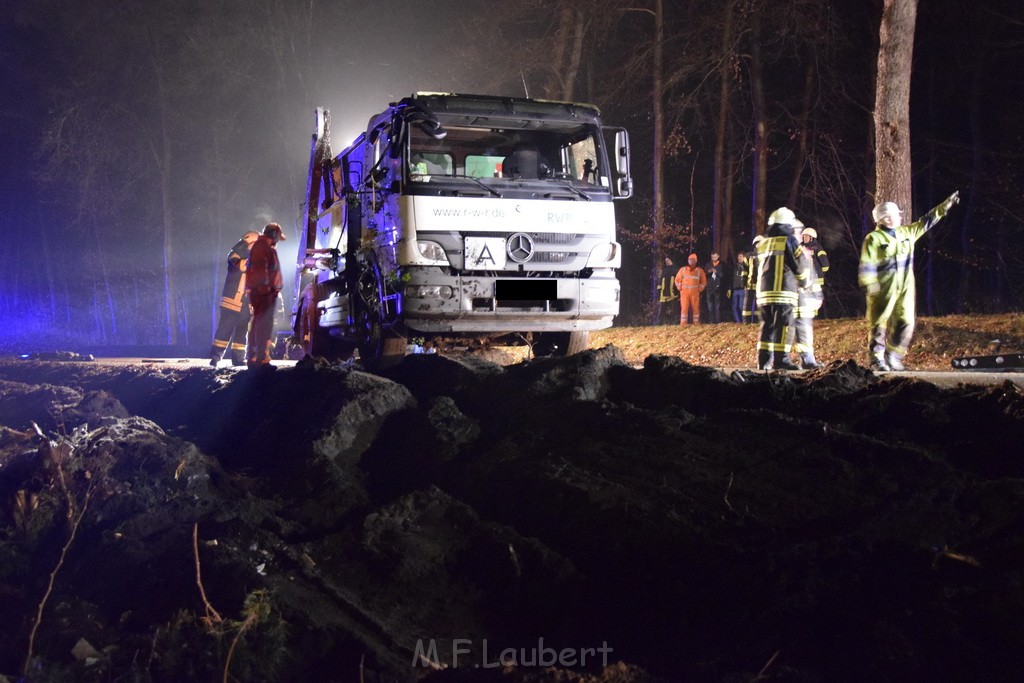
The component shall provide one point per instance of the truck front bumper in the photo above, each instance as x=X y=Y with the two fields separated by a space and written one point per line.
x=435 y=302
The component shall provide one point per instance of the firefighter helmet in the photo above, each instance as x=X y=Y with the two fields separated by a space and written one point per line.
x=811 y=232
x=885 y=209
x=782 y=216
x=757 y=240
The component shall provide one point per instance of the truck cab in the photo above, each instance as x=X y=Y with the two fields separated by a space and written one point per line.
x=461 y=215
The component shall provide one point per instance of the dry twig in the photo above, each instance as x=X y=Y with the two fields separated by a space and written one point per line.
x=212 y=615
x=75 y=521
x=251 y=619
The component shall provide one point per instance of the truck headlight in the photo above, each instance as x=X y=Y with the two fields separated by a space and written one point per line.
x=604 y=255
x=429 y=292
x=432 y=251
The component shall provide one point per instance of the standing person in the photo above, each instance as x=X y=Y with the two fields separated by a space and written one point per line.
x=668 y=295
x=781 y=270
x=690 y=281
x=750 y=312
x=715 y=271
x=809 y=298
x=263 y=280
x=233 y=318
x=739 y=287
x=886 y=275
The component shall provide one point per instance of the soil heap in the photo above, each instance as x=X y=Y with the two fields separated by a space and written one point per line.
x=573 y=519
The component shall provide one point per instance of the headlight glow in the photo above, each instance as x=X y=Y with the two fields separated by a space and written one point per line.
x=431 y=250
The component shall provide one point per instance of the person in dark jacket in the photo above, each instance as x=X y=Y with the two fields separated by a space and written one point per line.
x=739 y=286
x=715 y=272
x=233 y=318
x=263 y=281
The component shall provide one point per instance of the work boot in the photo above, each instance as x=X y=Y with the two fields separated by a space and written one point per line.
x=878 y=364
x=214 y=362
x=237 y=362
x=780 y=362
x=808 y=362
x=894 y=362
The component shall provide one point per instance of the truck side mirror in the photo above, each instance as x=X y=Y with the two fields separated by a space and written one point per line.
x=623 y=181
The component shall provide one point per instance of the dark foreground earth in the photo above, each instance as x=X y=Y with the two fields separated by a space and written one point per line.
x=559 y=520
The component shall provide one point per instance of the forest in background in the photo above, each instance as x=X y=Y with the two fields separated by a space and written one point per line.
x=148 y=139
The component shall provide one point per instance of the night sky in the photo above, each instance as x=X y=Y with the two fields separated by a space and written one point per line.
x=97 y=98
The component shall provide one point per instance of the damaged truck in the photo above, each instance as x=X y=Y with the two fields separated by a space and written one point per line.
x=461 y=216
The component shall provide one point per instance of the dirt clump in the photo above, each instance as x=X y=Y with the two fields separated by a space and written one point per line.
x=574 y=519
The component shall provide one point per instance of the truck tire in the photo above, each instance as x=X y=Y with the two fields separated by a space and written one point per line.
x=579 y=340
x=560 y=344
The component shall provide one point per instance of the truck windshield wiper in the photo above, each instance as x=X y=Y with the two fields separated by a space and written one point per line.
x=481 y=184
x=581 y=193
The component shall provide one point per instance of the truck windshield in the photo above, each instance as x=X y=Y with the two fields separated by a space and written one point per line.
x=567 y=153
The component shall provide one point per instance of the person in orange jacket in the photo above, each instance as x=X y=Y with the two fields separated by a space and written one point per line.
x=263 y=281
x=690 y=281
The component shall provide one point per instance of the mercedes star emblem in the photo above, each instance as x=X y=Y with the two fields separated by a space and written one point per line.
x=520 y=247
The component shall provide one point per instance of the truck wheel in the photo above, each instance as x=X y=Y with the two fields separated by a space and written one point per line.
x=557 y=344
x=579 y=340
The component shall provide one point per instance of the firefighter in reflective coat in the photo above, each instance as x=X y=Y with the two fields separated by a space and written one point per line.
x=668 y=295
x=233 y=320
x=809 y=298
x=690 y=281
x=781 y=270
x=886 y=275
x=750 y=312
x=263 y=281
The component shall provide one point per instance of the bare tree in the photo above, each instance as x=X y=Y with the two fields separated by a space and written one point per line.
x=892 y=102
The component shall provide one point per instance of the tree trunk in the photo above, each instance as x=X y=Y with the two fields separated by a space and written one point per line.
x=803 y=134
x=977 y=173
x=727 y=217
x=892 y=103
x=572 y=67
x=718 y=240
x=760 y=130
x=163 y=164
x=658 y=190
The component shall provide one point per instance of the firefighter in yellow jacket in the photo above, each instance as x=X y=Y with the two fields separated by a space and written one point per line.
x=233 y=320
x=690 y=281
x=809 y=297
x=781 y=269
x=886 y=275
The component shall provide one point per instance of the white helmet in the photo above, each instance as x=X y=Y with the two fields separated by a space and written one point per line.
x=783 y=216
x=811 y=232
x=885 y=209
x=757 y=239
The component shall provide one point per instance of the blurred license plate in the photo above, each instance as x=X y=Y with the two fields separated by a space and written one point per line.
x=525 y=290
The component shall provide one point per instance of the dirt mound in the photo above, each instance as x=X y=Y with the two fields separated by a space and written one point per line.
x=572 y=519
